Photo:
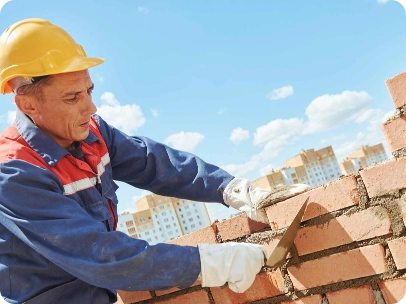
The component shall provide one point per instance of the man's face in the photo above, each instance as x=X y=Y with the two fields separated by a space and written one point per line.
x=65 y=109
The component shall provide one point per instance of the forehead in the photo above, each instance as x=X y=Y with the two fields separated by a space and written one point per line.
x=72 y=79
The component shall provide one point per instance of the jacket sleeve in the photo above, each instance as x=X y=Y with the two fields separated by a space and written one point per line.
x=33 y=208
x=146 y=164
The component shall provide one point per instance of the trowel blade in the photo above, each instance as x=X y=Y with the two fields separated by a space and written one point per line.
x=278 y=256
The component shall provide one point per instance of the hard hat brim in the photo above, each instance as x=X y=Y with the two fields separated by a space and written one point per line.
x=74 y=65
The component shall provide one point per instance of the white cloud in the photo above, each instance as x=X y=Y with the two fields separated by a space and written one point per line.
x=238 y=135
x=186 y=141
x=11 y=116
x=240 y=170
x=278 y=128
x=222 y=111
x=127 y=118
x=329 y=111
x=155 y=112
x=271 y=150
x=280 y=93
x=265 y=170
x=333 y=139
x=143 y=10
x=382 y=1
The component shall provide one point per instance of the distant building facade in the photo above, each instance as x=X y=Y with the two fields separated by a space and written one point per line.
x=309 y=167
x=363 y=157
x=160 y=218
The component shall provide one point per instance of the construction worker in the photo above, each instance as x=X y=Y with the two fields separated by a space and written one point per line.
x=58 y=207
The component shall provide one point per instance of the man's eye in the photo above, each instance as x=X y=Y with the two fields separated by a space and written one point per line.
x=71 y=99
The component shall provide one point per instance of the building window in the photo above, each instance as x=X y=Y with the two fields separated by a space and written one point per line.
x=200 y=223
x=188 y=213
x=147 y=233
x=190 y=219
x=192 y=226
x=131 y=230
x=160 y=229
x=142 y=220
x=170 y=233
x=186 y=207
x=184 y=201
x=198 y=217
x=159 y=201
x=168 y=226
x=185 y=228
x=144 y=226
x=166 y=220
x=161 y=207
x=129 y=223
x=149 y=217
x=149 y=240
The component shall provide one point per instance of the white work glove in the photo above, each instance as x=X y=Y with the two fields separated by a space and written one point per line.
x=234 y=263
x=240 y=195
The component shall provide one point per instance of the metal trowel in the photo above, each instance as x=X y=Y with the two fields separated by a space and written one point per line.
x=278 y=256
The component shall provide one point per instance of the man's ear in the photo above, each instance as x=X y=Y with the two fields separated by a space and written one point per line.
x=26 y=104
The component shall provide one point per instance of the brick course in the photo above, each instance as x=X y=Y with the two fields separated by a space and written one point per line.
x=344 y=253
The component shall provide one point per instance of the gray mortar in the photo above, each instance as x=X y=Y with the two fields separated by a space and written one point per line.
x=279 y=193
x=399 y=153
x=363 y=194
x=377 y=294
x=395 y=213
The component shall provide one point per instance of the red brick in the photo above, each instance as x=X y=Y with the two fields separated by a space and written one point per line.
x=397 y=89
x=393 y=130
x=398 y=249
x=342 y=230
x=271 y=245
x=357 y=263
x=266 y=285
x=363 y=294
x=199 y=296
x=329 y=197
x=133 y=296
x=204 y=235
x=315 y=299
x=238 y=226
x=385 y=177
x=393 y=290
x=164 y=292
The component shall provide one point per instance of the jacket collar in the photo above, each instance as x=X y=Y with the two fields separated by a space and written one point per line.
x=40 y=142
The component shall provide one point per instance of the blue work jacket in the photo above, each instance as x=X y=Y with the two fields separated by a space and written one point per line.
x=57 y=217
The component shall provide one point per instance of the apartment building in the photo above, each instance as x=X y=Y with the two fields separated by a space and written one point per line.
x=363 y=157
x=308 y=167
x=160 y=218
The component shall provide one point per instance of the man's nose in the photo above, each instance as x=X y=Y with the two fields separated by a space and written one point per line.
x=90 y=107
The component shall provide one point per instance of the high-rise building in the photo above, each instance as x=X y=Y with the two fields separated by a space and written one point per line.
x=160 y=218
x=363 y=157
x=308 y=167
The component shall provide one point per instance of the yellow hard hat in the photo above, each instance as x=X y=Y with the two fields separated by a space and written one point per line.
x=35 y=47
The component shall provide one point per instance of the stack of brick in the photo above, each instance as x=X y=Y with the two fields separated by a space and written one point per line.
x=351 y=245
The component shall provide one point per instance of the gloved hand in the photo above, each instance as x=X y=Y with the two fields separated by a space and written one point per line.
x=240 y=195
x=234 y=263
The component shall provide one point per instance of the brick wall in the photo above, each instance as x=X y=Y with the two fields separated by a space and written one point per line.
x=351 y=247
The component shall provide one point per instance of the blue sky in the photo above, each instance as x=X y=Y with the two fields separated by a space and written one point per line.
x=243 y=84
